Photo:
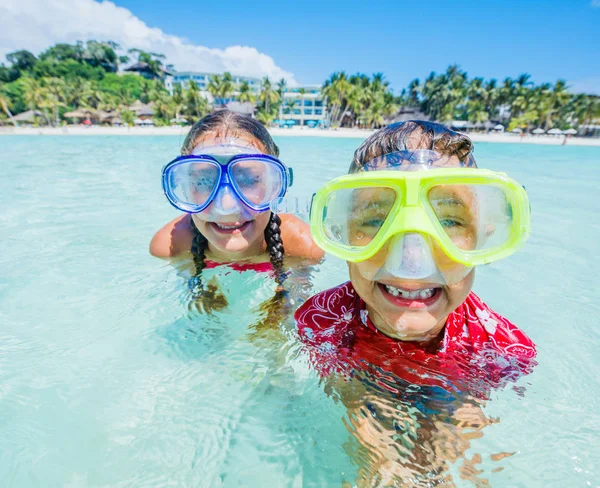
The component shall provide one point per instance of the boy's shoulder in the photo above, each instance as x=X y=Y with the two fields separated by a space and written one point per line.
x=486 y=326
x=327 y=308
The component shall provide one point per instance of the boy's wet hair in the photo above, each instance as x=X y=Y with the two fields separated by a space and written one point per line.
x=412 y=135
x=222 y=124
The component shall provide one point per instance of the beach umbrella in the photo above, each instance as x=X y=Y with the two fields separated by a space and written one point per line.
x=147 y=122
x=290 y=122
x=555 y=131
x=87 y=122
x=570 y=131
x=138 y=121
x=538 y=131
x=517 y=130
x=498 y=127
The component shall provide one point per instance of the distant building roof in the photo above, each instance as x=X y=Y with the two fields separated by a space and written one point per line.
x=141 y=109
x=407 y=113
x=142 y=67
x=28 y=116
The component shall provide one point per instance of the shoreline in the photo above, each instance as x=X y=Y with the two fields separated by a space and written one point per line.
x=294 y=132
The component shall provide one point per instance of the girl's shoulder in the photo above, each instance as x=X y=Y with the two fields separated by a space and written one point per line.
x=173 y=238
x=297 y=239
x=176 y=237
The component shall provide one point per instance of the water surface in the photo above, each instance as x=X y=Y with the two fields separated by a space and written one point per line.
x=106 y=379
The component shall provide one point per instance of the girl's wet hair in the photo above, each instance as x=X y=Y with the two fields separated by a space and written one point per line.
x=224 y=123
x=221 y=124
x=412 y=135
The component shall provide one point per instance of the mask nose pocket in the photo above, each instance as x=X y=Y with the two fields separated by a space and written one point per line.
x=226 y=202
x=410 y=257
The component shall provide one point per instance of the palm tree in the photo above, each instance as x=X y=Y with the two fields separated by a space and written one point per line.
x=281 y=89
x=35 y=96
x=558 y=98
x=196 y=104
x=227 y=86
x=55 y=95
x=128 y=117
x=246 y=94
x=267 y=95
x=215 y=87
x=177 y=101
x=302 y=93
x=290 y=105
x=5 y=103
x=335 y=91
x=264 y=117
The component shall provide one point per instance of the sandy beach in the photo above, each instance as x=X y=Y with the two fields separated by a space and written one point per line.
x=295 y=131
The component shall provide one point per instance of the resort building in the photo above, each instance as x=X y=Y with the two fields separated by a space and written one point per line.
x=201 y=79
x=303 y=105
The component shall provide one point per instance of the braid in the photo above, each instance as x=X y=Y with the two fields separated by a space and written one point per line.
x=199 y=245
x=275 y=246
x=274 y=309
x=209 y=298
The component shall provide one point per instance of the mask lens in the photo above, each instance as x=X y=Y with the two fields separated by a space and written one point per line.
x=354 y=216
x=258 y=181
x=475 y=217
x=193 y=182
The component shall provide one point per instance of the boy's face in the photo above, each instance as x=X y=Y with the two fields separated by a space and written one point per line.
x=409 y=320
x=406 y=309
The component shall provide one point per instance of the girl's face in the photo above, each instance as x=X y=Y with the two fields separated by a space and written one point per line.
x=422 y=316
x=235 y=232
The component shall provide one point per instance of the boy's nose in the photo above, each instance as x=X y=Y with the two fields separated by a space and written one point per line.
x=410 y=256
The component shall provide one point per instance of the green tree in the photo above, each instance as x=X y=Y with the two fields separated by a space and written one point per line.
x=195 y=104
x=5 y=104
x=246 y=94
x=62 y=52
x=268 y=97
x=22 y=60
x=127 y=117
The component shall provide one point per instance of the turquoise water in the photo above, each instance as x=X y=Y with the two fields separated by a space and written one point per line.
x=106 y=378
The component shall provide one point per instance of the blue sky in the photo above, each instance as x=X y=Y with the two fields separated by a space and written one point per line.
x=548 y=39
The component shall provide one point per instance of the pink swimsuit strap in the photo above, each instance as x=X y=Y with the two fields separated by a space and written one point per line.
x=264 y=267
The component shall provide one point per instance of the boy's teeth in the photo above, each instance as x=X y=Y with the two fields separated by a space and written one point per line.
x=410 y=295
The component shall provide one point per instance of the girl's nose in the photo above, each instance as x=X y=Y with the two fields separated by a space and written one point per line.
x=226 y=202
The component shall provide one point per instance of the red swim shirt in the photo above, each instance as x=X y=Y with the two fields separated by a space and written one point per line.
x=480 y=349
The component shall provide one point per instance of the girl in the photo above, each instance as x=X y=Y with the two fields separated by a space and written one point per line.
x=224 y=181
x=412 y=220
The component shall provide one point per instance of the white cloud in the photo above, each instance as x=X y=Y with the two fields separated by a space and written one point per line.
x=590 y=86
x=37 y=24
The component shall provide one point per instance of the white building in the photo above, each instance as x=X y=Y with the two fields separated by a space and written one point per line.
x=202 y=79
x=303 y=105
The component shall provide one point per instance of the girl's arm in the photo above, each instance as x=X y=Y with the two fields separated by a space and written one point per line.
x=297 y=240
x=173 y=239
